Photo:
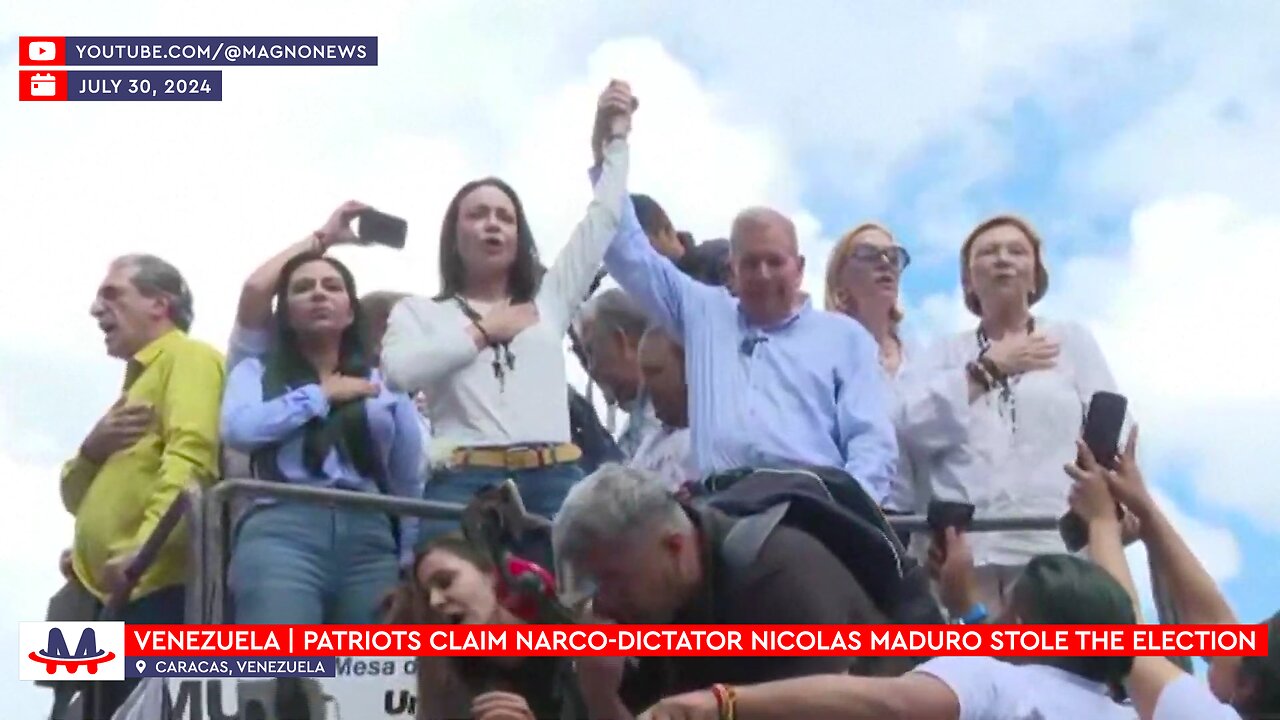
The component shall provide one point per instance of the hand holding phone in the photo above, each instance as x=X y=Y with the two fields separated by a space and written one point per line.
x=1101 y=434
x=943 y=514
x=374 y=226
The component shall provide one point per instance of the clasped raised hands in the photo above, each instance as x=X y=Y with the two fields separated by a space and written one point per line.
x=613 y=116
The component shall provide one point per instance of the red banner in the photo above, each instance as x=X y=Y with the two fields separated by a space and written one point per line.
x=694 y=640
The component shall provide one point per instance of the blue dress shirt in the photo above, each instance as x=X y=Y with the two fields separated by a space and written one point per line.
x=249 y=423
x=809 y=391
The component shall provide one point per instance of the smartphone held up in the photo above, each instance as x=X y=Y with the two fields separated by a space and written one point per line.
x=1103 y=425
x=377 y=227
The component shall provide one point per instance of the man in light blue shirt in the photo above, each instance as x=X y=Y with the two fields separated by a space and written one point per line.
x=773 y=381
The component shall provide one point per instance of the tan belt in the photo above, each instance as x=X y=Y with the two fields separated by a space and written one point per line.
x=516 y=458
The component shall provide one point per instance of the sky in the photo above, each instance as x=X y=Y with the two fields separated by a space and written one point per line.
x=1142 y=139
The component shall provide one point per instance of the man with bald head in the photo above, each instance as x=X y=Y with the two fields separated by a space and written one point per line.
x=773 y=381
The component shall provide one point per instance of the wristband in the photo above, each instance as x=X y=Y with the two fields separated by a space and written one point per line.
x=976 y=615
x=997 y=375
x=726 y=701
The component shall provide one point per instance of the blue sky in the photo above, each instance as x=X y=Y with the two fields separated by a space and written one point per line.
x=1142 y=139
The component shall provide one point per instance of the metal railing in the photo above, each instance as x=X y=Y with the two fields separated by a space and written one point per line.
x=219 y=514
x=215 y=518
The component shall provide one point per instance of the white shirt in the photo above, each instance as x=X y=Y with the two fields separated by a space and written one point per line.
x=1189 y=698
x=972 y=451
x=642 y=420
x=665 y=451
x=990 y=689
x=909 y=489
x=427 y=347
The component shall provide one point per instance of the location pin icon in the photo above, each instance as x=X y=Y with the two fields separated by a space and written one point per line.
x=140 y=665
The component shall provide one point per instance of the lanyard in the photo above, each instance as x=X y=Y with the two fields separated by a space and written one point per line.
x=1007 y=398
x=504 y=360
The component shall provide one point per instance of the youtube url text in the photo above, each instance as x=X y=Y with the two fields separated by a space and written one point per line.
x=204 y=51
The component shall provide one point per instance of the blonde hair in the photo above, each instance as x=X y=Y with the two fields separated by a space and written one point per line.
x=836 y=262
x=1042 y=273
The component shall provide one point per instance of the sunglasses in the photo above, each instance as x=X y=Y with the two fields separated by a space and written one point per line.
x=896 y=255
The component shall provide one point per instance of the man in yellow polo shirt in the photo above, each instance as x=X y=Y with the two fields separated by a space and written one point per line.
x=160 y=436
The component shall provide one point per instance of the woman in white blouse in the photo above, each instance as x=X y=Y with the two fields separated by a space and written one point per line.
x=488 y=350
x=1018 y=386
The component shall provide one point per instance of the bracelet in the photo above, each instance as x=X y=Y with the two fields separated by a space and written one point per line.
x=976 y=615
x=726 y=700
x=317 y=241
x=998 y=376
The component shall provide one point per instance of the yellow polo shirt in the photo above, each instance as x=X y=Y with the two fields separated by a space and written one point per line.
x=118 y=504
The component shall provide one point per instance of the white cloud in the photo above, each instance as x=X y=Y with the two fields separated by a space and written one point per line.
x=872 y=88
x=1218 y=131
x=1183 y=335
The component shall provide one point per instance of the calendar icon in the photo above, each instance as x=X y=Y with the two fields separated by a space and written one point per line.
x=45 y=85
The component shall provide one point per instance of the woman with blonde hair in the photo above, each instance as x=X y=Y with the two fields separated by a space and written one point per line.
x=863 y=274
x=1018 y=386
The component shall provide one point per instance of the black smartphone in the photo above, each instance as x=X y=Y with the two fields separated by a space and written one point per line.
x=1103 y=424
x=943 y=514
x=378 y=227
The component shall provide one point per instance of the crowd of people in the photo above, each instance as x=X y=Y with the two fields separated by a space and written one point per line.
x=730 y=377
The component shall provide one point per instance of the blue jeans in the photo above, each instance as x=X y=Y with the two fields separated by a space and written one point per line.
x=542 y=489
x=311 y=564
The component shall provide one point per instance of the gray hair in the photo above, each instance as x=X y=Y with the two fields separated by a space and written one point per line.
x=155 y=277
x=613 y=504
x=760 y=218
x=657 y=336
x=614 y=309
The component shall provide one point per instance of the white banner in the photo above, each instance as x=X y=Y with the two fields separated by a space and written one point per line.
x=363 y=689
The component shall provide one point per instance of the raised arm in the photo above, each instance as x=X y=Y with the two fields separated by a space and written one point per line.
x=575 y=268
x=254 y=309
x=864 y=408
x=251 y=335
x=1151 y=678
x=648 y=276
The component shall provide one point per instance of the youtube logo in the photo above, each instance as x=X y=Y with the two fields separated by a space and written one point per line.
x=41 y=51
